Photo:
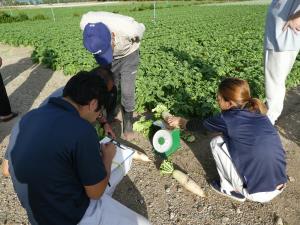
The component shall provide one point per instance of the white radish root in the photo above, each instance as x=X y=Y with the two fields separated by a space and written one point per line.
x=140 y=156
x=167 y=168
x=165 y=115
x=188 y=183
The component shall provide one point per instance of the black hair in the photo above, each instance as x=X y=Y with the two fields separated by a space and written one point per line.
x=105 y=73
x=84 y=87
x=111 y=100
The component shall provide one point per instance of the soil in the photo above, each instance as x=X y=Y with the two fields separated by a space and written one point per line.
x=159 y=198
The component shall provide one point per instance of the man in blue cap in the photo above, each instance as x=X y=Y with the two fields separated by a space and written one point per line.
x=282 y=44
x=114 y=40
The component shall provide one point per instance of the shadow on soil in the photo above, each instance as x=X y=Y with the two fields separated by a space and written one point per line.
x=24 y=96
x=12 y=71
x=127 y=194
x=289 y=122
x=201 y=150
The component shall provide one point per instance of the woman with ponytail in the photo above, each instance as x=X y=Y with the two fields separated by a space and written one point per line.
x=249 y=155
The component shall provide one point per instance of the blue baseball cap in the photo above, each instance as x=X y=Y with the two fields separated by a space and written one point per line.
x=97 y=40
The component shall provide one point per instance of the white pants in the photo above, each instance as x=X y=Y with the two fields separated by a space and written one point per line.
x=277 y=67
x=229 y=178
x=106 y=210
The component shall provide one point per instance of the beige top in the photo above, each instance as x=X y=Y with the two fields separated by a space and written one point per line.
x=125 y=28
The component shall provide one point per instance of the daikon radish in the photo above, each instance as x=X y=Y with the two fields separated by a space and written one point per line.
x=165 y=115
x=188 y=183
x=140 y=156
x=167 y=168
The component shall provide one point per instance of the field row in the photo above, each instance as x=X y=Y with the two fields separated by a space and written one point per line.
x=184 y=55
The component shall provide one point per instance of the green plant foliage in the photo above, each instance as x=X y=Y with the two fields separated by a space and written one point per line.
x=100 y=131
x=143 y=126
x=166 y=167
x=40 y=17
x=185 y=52
x=158 y=110
x=76 y=15
x=8 y=18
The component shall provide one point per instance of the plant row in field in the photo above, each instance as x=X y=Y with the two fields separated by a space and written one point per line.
x=185 y=53
x=7 y=18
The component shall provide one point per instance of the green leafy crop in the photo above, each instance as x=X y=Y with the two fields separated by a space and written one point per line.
x=185 y=52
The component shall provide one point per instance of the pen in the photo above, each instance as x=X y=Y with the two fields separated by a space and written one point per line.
x=116 y=143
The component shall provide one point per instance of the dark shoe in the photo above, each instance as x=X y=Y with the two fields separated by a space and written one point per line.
x=231 y=194
x=128 y=132
x=12 y=115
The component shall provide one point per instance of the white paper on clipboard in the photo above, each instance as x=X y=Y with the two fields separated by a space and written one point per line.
x=122 y=154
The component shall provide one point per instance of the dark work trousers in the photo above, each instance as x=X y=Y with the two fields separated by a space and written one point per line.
x=111 y=104
x=5 y=109
x=124 y=72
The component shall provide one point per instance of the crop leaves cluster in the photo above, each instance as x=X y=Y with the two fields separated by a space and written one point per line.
x=185 y=53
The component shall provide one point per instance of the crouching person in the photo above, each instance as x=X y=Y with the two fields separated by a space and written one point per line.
x=58 y=169
x=249 y=155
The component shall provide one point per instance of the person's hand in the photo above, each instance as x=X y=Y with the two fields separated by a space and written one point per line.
x=135 y=39
x=101 y=119
x=109 y=131
x=177 y=122
x=108 y=151
x=0 y=61
x=293 y=23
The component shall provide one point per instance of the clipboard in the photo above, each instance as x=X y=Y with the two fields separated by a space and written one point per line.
x=123 y=154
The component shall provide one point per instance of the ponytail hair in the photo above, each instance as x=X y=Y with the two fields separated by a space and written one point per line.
x=238 y=91
x=255 y=105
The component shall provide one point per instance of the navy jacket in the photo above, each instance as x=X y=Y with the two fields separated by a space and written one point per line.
x=56 y=154
x=254 y=146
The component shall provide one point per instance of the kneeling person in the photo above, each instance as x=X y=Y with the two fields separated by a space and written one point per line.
x=249 y=156
x=58 y=168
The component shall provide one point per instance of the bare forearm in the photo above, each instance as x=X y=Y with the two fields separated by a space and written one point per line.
x=97 y=190
x=107 y=164
x=108 y=152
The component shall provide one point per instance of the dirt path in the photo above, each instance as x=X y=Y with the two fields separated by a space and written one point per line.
x=68 y=4
x=27 y=85
x=158 y=198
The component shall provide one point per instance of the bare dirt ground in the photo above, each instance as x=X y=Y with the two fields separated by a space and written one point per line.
x=159 y=198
